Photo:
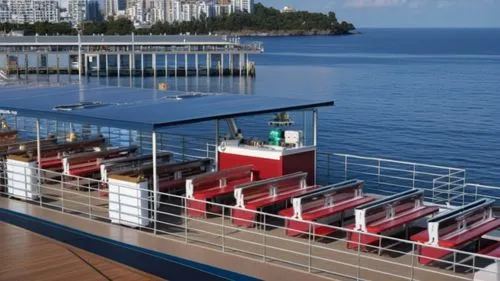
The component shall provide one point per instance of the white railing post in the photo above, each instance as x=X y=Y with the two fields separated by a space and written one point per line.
x=414 y=175
x=155 y=180
x=449 y=186
x=345 y=167
x=39 y=160
x=378 y=173
x=311 y=236
x=412 y=261
x=186 y=219
x=90 y=201
x=223 y=235
x=358 y=273
x=264 y=242
x=62 y=194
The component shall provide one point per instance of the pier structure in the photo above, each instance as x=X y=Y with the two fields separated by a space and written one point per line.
x=128 y=55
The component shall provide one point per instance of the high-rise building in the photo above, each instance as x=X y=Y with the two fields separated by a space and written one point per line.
x=242 y=5
x=93 y=11
x=77 y=11
x=112 y=7
x=29 y=11
x=4 y=11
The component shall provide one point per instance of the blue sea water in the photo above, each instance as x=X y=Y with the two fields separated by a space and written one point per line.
x=421 y=95
x=424 y=95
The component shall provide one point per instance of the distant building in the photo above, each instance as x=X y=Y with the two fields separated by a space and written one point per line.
x=77 y=11
x=93 y=11
x=29 y=11
x=242 y=5
x=288 y=9
x=112 y=7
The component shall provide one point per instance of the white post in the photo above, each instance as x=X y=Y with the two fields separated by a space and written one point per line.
x=154 y=64
x=217 y=128
x=118 y=65
x=208 y=64
x=221 y=70
x=98 y=65
x=155 y=180
x=39 y=158
x=240 y=58
x=196 y=62
x=175 y=64
x=246 y=64
x=315 y=139
x=142 y=64
x=107 y=65
x=79 y=59
x=186 y=64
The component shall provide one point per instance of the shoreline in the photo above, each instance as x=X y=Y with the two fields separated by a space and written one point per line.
x=285 y=33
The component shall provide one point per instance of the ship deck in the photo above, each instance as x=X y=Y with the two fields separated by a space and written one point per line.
x=30 y=256
x=243 y=249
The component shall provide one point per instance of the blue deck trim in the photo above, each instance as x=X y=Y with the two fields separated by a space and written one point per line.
x=153 y=262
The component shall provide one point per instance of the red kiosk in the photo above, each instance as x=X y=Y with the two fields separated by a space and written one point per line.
x=284 y=153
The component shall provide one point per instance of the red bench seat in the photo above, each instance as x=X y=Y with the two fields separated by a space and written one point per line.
x=428 y=254
x=492 y=250
x=385 y=225
x=297 y=227
x=198 y=207
x=246 y=217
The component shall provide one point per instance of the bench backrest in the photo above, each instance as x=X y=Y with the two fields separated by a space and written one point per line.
x=219 y=178
x=50 y=149
x=17 y=145
x=327 y=196
x=387 y=207
x=94 y=156
x=127 y=163
x=459 y=219
x=269 y=187
x=165 y=170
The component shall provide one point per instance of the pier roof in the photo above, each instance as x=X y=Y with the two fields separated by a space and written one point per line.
x=117 y=40
x=134 y=108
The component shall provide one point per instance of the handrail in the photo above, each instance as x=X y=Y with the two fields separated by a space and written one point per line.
x=224 y=232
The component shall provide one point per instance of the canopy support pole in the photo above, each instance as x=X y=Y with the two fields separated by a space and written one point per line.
x=155 y=180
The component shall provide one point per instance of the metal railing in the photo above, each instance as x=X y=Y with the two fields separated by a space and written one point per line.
x=385 y=176
x=323 y=255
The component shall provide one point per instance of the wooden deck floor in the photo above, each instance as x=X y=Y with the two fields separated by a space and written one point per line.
x=28 y=256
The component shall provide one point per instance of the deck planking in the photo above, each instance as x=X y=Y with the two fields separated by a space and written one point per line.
x=28 y=256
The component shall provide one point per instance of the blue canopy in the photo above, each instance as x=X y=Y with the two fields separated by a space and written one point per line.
x=132 y=108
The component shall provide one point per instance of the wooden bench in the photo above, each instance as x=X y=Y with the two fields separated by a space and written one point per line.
x=52 y=154
x=170 y=175
x=321 y=203
x=455 y=229
x=254 y=196
x=88 y=163
x=210 y=186
x=386 y=215
x=134 y=162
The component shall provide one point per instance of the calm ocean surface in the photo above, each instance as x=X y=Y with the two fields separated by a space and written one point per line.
x=422 y=95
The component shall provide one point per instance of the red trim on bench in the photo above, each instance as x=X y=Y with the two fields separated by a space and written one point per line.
x=242 y=217
x=295 y=227
x=403 y=219
x=429 y=254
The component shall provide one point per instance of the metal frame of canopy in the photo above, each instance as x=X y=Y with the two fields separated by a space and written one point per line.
x=155 y=110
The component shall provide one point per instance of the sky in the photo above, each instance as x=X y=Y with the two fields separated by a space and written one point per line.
x=404 y=13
